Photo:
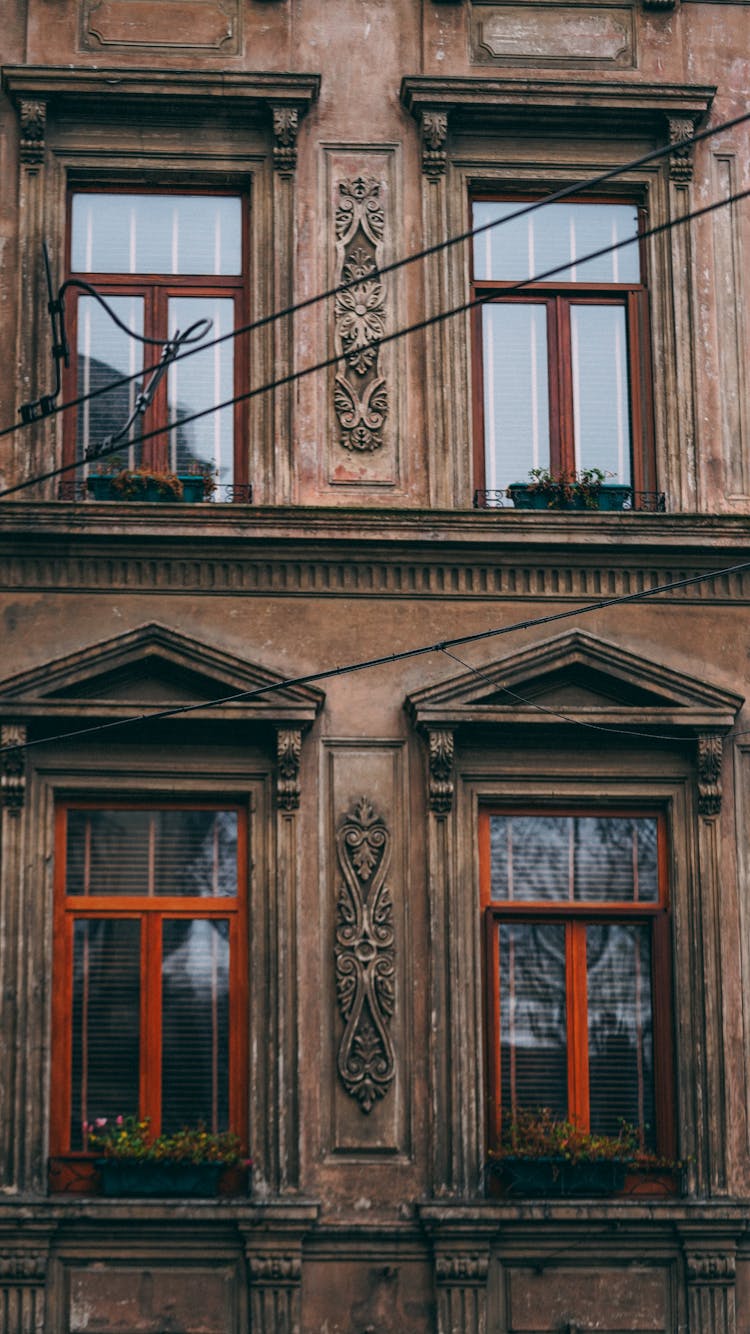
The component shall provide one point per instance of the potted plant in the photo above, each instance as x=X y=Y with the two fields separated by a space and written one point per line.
x=540 y=1154
x=118 y=482
x=187 y=1163
x=586 y=489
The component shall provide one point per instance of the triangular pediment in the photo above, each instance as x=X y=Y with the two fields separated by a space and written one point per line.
x=576 y=677
x=155 y=667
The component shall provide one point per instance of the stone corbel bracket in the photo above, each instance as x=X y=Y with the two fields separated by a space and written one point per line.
x=681 y=158
x=285 y=128
x=32 y=114
x=441 y=750
x=13 y=767
x=434 y=132
x=710 y=750
x=288 y=756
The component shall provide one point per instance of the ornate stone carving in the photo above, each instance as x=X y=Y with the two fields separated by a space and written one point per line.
x=33 y=117
x=275 y=1269
x=709 y=773
x=285 y=127
x=462 y=1269
x=13 y=775
x=288 y=752
x=360 y=394
x=681 y=157
x=710 y=1267
x=30 y=1266
x=434 y=139
x=365 y=956
x=441 y=770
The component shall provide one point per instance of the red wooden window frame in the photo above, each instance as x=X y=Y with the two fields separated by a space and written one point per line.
x=575 y=916
x=150 y=911
x=156 y=289
x=558 y=298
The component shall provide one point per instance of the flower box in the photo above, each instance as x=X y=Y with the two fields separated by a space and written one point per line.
x=130 y=1178
x=528 y=496
x=102 y=487
x=557 y=1176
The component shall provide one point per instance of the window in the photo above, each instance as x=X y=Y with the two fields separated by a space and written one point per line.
x=150 y=967
x=564 y=377
x=162 y=262
x=578 y=969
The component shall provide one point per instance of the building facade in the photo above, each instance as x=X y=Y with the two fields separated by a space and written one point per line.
x=358 y=916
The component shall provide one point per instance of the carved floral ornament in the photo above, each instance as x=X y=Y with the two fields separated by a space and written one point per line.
x=288 y=755
x=360 y=393
x=681 y=156
x=33 y=117
x=365 y=956
x=285 y=127
x=710 y=749
x=13 y=769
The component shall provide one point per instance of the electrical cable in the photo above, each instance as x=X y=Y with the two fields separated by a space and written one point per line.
x=333 y=360
x=383 y=660
x=564 y=193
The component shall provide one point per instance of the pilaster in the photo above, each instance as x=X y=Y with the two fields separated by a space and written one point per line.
x=34 y=367
x=23 y=1273
x=12 y=821
x=710 y=1265
x=460 y=1238
x=712 y=1133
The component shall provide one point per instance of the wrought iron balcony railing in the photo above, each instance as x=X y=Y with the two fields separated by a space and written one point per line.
x=653 y=502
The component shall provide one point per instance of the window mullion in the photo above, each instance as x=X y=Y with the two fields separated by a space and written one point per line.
x=150 y=1100
x=578 y=1045
x=564 y=372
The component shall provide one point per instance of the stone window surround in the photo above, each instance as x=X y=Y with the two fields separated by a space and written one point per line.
x=247 y=126
x=493 y=134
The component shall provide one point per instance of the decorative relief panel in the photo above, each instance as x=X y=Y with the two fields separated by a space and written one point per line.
x=570 y=36
x=365 y=956
x=198 y=25
x=361 y=394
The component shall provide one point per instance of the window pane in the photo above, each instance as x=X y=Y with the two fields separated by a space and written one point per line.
x=533 y=1025
x=152 y=852
x=621 y=1061
x=200 y=382
x=555 y=235
x=584 y=858
x=105 y=354
x=195 y=1024
x=601 y=409
x=516 y=391
x=151 y=233
x=106 y=1022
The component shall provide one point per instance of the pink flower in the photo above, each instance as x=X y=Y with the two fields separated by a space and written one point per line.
x=100 y=1122
x=118 y=1121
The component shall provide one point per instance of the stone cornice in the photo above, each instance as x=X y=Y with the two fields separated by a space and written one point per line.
x=79 y=84
x=509 y=99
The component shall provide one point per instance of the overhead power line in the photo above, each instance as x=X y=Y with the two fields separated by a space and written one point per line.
x=419 y=325
x=565 y=192
x=385 y=660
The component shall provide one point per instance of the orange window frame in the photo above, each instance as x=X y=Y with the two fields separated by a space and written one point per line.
x=150 y=912
x=558 y=299
x=576 y=917
x=155 y=290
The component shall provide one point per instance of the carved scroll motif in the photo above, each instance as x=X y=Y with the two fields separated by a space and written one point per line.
x=434 y=139
x=365 y=956
x=710 y=748
x=13 y=772
x=33 y=117
x=288 y=753
x=285 y=127
x=360 y=393
x=681 y=157
x=441 y=770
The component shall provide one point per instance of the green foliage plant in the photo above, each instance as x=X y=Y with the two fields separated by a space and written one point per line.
x=128 y=1139
x=564 y=487
x=539 y=1134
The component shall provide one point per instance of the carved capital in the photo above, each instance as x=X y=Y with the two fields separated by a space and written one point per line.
x=285 y=127
x=681 y=157
x=288 y=752
x=464 y=1269
x=275 y=1269
x=710 y=1267
x=365 y=956
x=709 y=773
x=13 y=769
x=441 y=748
x=434 y=140
x=23 y=1266
x=33 y=117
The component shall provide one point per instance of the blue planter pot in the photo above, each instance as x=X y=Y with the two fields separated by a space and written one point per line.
x=194 y=1180
x=101 y=487
x=555 y=1177
x=528 y=497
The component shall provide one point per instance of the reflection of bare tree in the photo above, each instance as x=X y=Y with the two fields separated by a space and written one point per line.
x=594 y=858
x=107 y=413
